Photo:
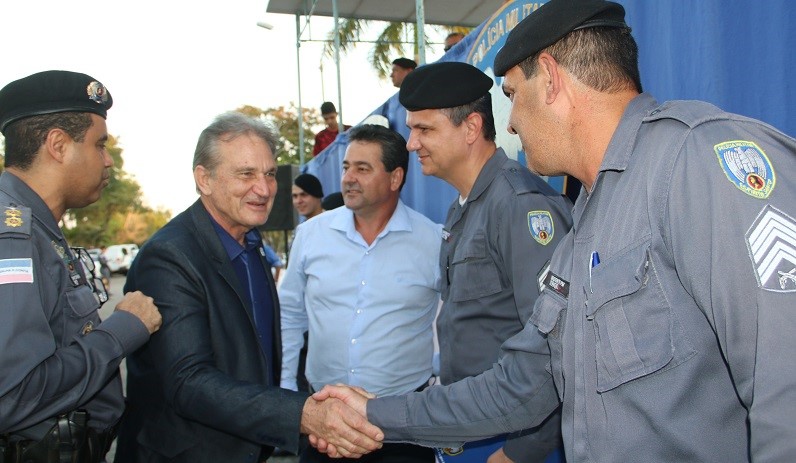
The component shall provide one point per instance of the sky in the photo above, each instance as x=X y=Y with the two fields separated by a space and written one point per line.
x=172 y=66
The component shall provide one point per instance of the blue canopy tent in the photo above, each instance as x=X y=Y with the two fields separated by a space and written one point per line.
x=737 y=54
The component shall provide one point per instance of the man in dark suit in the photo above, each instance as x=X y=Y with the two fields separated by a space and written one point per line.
x=204 y=390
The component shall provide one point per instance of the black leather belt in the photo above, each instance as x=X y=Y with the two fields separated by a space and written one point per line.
x=65 y=439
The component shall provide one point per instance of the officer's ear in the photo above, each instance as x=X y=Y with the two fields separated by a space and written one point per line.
x=55 y=144
x=552 y=73
x=474 y=123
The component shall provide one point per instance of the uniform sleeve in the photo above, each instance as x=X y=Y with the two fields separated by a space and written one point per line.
x=42 y=377
x=516 y=394
x=524 y=252
x=536 y=444
x=293 y=313
x=735 y=250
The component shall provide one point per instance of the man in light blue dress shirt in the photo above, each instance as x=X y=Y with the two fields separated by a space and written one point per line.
x=364 y=279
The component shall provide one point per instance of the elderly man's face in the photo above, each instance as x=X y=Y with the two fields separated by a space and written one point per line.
x=240 y=192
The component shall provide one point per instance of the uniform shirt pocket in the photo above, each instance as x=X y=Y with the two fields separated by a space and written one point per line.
x=631 y=319
x=81 y=302
x=473 y=274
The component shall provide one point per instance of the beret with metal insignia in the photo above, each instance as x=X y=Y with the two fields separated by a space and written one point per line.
x=443 y=85
x=52 y=92
x=551 y=22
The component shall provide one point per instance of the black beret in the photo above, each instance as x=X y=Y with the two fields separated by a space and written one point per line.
x=310 y=184
x=328 y=108
x=405 y=63
x=52 y=92
x=551 y=22
x=443 y=85
x=333 y=201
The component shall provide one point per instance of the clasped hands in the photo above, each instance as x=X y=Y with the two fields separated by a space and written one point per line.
x=335 y=419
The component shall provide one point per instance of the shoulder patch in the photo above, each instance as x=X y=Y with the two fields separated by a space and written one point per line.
x=15 y=220
x=16 y=271
x=771 y=241
x=540 y=224
x=747 y=167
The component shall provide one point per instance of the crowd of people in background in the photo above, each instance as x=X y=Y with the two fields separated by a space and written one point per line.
x=651 y=320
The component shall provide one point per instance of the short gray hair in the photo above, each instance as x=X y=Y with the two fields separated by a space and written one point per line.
x=226 y=127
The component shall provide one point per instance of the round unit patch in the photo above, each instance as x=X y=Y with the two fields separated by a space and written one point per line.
x=747 y=167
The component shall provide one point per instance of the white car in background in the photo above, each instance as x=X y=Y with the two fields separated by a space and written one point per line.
x=120 y=257
x=95 y=256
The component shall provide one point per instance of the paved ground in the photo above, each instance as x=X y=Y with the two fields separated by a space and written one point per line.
x=117 y=283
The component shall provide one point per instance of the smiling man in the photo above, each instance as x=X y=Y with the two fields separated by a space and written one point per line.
x=502 y=229
x=363 y=279
x=207 y=389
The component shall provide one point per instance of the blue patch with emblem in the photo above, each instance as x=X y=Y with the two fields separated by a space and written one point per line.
x=747 y=167
x=540 y=224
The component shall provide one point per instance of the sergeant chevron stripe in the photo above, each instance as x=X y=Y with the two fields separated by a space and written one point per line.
x=772 y=246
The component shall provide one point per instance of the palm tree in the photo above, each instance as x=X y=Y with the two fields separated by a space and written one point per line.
x=390 y=41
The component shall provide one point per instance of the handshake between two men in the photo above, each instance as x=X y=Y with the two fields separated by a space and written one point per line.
x=335 y=419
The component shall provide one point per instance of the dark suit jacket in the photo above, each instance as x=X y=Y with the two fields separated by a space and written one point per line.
x=198 y=391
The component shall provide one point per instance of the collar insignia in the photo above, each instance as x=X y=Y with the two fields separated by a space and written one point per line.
x=13 y=217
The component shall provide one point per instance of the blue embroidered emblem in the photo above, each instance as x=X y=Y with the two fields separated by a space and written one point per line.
x=540 y=224
x=747 y=167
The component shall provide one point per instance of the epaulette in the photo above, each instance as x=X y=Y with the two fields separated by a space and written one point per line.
x=14 y=221
x=690 y=113
x=519 y=181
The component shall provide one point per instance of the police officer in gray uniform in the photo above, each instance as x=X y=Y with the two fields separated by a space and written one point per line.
x=670 y=308
x=60 y=390
x=502 y=230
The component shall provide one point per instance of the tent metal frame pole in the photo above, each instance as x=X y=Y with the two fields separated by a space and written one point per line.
x=420 y=13
x=337 y=66
x=300 y=117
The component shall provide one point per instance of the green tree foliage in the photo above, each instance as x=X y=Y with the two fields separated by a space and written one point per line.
x=285 y=120
x=388 y=45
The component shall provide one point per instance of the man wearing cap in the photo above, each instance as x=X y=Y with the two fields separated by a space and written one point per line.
x=363 y=280
x=60 y=389
x=307 y=194
x=326 y=136
x=401 y=67
x=503 y=227
x=669 y=309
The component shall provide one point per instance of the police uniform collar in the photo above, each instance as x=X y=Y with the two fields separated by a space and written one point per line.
x=617 y=154
x=488 y=173
x=20 y=191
